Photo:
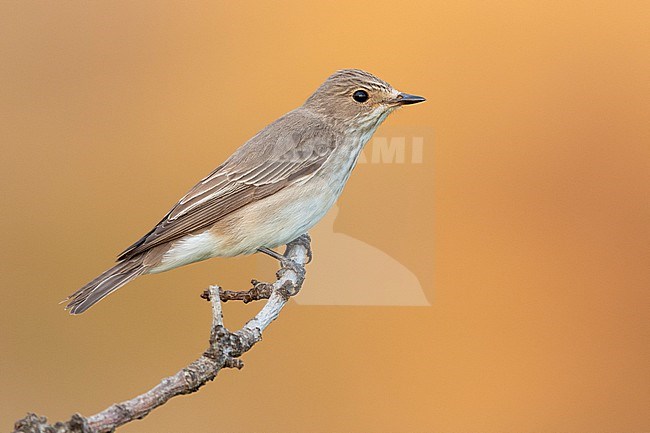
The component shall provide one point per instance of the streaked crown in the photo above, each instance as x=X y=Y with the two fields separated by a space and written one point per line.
x=353 y=96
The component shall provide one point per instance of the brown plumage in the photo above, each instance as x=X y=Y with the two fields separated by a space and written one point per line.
x=271 y=190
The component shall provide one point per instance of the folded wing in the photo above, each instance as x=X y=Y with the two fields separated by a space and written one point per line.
x=283 y=153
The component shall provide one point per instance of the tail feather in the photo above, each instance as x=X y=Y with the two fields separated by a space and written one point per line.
x=104 y=285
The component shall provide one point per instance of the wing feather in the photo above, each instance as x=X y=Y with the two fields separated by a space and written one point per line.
x=263 y=166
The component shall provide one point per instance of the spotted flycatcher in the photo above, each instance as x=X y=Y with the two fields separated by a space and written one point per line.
x=271 y=190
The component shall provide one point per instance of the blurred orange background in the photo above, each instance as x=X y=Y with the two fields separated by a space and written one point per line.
x=526 y=224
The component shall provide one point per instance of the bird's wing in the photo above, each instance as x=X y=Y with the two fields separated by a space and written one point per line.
x=267 y=163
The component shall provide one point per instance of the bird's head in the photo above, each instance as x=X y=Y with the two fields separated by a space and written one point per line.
x=356 y=98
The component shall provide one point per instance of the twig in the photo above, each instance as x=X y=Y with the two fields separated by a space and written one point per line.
x=260 y=290
x=223 y=352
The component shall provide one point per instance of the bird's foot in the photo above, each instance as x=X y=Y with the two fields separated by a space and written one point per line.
x=305 y=241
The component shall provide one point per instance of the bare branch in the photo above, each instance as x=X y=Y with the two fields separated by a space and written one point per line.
x=259 y=291
x=223 y=352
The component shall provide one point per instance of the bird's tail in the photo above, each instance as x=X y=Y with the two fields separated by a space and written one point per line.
x=105 y=284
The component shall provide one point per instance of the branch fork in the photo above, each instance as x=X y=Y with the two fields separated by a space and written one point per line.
x=224 y=350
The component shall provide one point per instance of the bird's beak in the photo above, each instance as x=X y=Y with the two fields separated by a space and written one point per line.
x=406 y=99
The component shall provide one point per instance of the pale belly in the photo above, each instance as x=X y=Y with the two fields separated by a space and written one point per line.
x=276 y=220
x=270 y=222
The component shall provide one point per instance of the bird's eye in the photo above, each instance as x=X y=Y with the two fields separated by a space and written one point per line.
x=360 y=96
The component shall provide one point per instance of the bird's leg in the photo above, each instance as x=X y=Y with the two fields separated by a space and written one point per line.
x=304 y=239
x=285 y=262
x=270 y=252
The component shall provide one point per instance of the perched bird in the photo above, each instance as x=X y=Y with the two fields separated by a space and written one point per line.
x=271 y=190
